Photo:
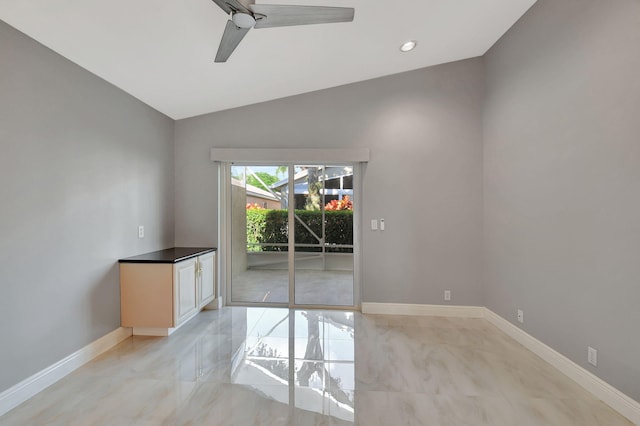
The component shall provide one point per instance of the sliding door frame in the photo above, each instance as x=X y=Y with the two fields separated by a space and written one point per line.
x=225 y=216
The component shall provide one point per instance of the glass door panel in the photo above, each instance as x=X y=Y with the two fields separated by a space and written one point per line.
x=315 y=265
x=323 y=224
x=259 y=234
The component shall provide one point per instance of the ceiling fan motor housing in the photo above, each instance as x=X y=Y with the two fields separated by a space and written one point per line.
x=243 y=20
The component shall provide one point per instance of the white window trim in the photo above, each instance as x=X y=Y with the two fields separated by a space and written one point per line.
x=286 y=155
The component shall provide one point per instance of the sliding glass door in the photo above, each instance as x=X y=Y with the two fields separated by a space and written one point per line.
x=323 y=235
x=292 y=235
x=259 y=235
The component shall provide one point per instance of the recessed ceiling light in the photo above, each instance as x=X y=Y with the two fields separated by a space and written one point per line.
x=409 y=45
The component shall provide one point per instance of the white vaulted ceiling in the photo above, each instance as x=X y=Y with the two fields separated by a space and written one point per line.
x=162 y=51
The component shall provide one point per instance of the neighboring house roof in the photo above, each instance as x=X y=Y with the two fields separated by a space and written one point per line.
x=300 y=178
x=297 y=177
x=255 y=191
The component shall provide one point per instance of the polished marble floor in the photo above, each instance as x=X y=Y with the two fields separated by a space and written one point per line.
x=266 y=366
x=331 y=288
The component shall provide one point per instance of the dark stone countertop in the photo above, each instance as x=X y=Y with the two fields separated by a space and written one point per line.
x=170 y=255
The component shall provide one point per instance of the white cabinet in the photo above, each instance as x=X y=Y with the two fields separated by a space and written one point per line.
x=185 y=290
x=156 y=297
x=207 y=279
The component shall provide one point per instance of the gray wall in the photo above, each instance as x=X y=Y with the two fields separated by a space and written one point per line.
x=424 y=129
x=81 y=165
x=562 y=173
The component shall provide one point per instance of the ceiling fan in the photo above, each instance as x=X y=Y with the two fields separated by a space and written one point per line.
x=250 y=15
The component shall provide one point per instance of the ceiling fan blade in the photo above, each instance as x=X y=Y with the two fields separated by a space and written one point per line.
x=230 y=6
x=230 y=39
x=283 y=16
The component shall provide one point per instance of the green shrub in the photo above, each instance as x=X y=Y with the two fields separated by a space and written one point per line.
x=270 y=226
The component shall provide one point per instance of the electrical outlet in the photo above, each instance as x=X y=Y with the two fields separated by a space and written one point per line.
x=520 y=316
x=592 y=356
x=447 y=295
x=374 y=224
x=140 y=231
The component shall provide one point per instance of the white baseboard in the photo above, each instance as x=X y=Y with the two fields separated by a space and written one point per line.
x=427 y=310
x=27 y=388
x=602 y=390
x=157 y=332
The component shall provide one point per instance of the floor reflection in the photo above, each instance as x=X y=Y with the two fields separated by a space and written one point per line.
x=265 y=366
x=320 y=347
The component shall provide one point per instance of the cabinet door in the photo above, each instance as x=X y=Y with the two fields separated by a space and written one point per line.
x=207 y=278
x=186 y=291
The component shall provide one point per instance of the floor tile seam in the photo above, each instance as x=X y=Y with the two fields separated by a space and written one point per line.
x=498 y=393
x=324 y=361
x=139 y=377
x=592 y=412
x=294 y=337
x=415 y=328
x=203 y=333
x=426 y=317
x=586 y=398
x=434 y=395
